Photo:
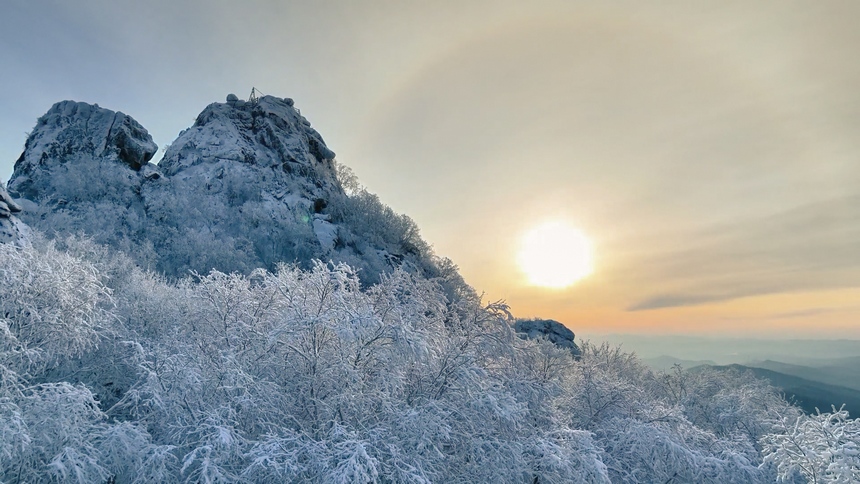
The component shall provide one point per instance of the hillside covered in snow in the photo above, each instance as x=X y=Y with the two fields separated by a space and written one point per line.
x=245 y=312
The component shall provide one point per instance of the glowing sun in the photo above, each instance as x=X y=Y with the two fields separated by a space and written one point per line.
x=555 y=255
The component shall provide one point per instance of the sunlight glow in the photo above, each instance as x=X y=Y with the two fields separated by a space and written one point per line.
x=555 y=255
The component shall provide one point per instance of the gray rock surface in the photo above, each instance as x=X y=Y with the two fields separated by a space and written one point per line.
x=554 y=331
x=73 y=131
x=269 y=136
x=12 y=230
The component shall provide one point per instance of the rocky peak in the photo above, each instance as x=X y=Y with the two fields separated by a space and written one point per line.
x=250 y=184
x=268 y=134
x=257 y=165
x=71 y=131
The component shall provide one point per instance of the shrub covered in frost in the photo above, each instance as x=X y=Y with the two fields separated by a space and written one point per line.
x=111 y=372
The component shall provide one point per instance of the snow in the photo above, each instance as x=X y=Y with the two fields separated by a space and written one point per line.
x=12 y=230
x=326 y=232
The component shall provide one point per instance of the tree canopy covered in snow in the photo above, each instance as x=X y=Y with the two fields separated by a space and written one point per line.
x=110 y=371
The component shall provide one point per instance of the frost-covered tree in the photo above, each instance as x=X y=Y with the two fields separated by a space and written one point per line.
x=822 y=448
x=643 y=430
x=56 y=310
x=113 y=372
x=725 y=402
x=342 y=384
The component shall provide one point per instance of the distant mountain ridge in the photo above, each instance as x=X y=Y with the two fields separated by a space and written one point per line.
x=665 y=362
x=250 y=184
x=726 y=350
x=837 y=371
x=807 y=394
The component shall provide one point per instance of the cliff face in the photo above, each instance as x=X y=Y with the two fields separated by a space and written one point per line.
x=11 y=229
x=249 y=185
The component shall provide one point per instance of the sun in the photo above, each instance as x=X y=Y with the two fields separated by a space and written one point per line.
x=555 y=255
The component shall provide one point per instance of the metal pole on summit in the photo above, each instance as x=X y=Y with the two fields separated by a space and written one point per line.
x=253 y=97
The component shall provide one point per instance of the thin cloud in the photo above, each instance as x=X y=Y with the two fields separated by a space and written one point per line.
x=673 y=300
x=814 y=246
x=811 y=312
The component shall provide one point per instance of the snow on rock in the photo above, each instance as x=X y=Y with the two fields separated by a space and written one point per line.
x=269 y=133
x=12 y=230
x=150 y=172
x=71 y=131
x=325 y=231
x=81 y=171
x=8 y=206
x=250 y=184
x=268 y=140
x=251 y=176
x=554 y=331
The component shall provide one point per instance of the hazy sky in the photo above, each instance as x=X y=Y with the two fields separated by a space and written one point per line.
x=710 y=150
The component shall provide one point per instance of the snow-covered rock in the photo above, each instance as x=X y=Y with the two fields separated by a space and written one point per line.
x=12 y=230
x=71 y=131
x=8 y=206
x=250 y=184
x=81 y=172
x=554 y=331
x=269 y=133
x=268 y=143
x=325 y=231
x=246 y=180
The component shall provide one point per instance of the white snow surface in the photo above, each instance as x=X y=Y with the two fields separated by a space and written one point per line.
x=326 y=232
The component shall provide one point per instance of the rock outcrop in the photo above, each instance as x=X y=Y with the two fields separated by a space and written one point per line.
x=12 y=230
x=71 y=131
x=262 y=157
x=553 y=331
x=82 y=171
x=250 y=184
x=268 y=133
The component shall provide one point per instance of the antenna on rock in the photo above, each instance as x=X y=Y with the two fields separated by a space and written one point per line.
x=253 y=98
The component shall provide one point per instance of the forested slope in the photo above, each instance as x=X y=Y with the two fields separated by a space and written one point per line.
x=113 y=372
x=319 y=340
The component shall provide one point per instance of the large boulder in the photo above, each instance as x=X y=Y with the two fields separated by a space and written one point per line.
x=549 y=329
x=75 y=132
